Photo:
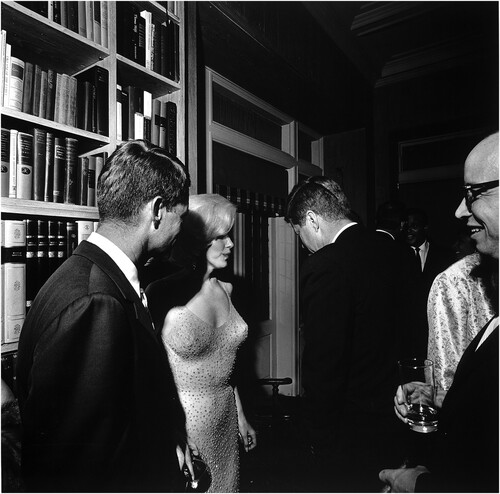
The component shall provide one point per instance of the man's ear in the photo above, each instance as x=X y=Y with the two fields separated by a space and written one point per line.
x=313 y=219
x=157 y=211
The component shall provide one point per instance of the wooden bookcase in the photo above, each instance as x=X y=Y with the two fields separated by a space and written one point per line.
x=39 y=40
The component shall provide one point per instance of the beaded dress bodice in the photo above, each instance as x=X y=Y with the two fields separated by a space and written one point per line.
x=202 y=359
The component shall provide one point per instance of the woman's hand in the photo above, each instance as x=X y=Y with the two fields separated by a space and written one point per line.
x=248 y=436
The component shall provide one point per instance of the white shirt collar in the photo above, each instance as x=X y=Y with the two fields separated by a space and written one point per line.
x=345 y=227
x=119 y=257
x=386 y=232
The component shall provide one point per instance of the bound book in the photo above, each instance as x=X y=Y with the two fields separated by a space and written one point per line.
x=53 y=262
x=5 y=163
x=51 y=94
x=24 y=166
x=42 y=110
x=99 y=77
x=83 y=180
x=71 y=237
x=37 y=89
x=59 y=167
x=29 y=73
x=42 y=252
x=14 y=278
x=6 y=72
x=61 y=242
x=171 y=131
x=16 y=83
x=48 y=189
x=135 y=105
x=155 y=122
x=32 y=285
x=91 y=181
x=39 y=163
x=70 y=170
x=13 y=163
x=97 y=22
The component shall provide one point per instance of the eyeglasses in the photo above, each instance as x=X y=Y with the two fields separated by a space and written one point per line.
x=473 y=191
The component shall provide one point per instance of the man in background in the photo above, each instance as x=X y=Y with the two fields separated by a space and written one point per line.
x=350 y=288
x=465 y=455
x=431 y=259
x=98 y=403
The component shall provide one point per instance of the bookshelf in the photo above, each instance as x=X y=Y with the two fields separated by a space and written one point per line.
x=39 y=37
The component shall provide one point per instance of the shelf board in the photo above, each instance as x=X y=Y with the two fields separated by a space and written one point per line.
x=133 y=74
x=45 y=42
x=25 y=207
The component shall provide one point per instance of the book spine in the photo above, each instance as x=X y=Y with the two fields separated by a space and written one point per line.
x=24 y=166
x=163 y=125
x=13 y=164
x=51 y=94
x=71 y=115
x=59 y=166
x=6 y=77
x=89 y=19
x=42 y=111
x=5 y=162
x=39 y=163
x=52 y=247
x=58 y=98
x=138 y=126
x=104 y=24
x=73 y=16
x=147 y=16
x=99 y=163
x=82 y=19
x=61 y=242
x=102 y=115
x=119 y=110
x=3 y=59
x=83 y=180
x=37 y=89
x=71 y=237
x=16 y=82
x=97 y=22
x=155 y=124
x=163 y=48
x=91 y=181
x=64 y=13
x=171 y=133
x=56 y=6
x=31 y=262
x=42 y=252
x=70 y=172
x=14 y=278
x=28 y=88
x=49 y=168
x=148 y=113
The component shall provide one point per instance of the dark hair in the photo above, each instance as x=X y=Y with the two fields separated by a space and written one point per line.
x=319 y=194
x=134 y=174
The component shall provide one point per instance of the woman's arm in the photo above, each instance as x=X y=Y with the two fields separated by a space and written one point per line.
x=247 y=432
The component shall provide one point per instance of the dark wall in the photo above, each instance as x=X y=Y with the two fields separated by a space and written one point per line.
x=461 y=99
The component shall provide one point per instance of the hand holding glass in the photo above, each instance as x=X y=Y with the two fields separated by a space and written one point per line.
x=417 y=383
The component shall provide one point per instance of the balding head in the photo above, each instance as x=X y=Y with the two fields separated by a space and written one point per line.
x=482 y=163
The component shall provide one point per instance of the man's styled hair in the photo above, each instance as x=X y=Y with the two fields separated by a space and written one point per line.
x=319 y=194
x=134 y=174
x=209 y=216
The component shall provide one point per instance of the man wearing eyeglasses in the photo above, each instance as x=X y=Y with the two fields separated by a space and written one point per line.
x=466 y=455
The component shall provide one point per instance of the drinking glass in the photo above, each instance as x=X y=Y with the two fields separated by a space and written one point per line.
x=417 y=382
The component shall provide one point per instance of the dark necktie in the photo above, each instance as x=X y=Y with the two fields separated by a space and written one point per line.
x=144 y=301
x=417 y=257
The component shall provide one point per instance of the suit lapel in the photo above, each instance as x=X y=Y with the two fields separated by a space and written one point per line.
x=107 y=265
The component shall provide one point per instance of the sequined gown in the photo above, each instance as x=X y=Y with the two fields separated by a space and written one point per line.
x=202 y=358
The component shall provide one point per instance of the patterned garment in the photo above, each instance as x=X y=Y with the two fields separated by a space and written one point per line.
x=202 y=358
x=457 y=309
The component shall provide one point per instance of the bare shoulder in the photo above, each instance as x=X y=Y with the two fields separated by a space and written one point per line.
x=227 y=286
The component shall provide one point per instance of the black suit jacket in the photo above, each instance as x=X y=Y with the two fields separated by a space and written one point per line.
x=96 y=396
x=466 y=452
x=353 y=337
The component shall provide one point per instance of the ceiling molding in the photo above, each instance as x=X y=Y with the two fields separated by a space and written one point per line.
x=380 y=15
x=429 y=59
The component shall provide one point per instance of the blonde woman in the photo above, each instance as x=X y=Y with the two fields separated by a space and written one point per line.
x=202 y=332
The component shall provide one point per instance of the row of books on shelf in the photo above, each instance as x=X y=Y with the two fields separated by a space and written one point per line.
x=32 y=249
x=86 y=18
x=148 y=41
x=141 y=117
x=44 y=166
x=78 y=101
x=250 y=201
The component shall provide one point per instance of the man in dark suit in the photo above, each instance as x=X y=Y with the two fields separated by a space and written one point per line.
x=432 y=259
x=349 y=289
x=98 y=403
x=465 y=455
